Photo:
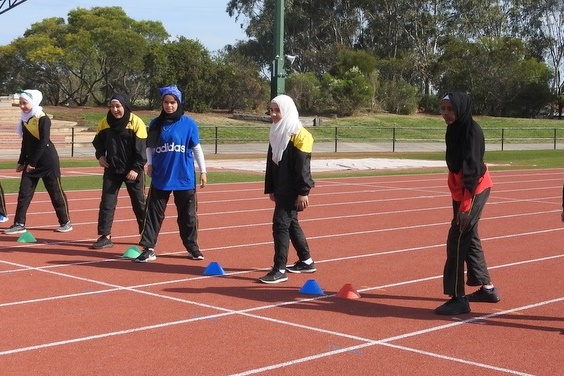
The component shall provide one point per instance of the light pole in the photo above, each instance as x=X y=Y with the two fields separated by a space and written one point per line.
x=278 y=74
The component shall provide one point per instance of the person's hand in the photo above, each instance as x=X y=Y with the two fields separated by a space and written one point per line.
x=562 y=215
x=103 y=163
x=302 y=202
x=19 y=168
x=131 y=175
x=271 y=196
x=149 y=170
x=30 y=168
x=203 y=179
x=463 y=219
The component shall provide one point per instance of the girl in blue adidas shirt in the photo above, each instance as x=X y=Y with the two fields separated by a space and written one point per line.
x=173 y=144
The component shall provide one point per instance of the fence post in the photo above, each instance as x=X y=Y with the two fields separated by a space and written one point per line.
x=336 y=139
x=502 y=137
x=215 y=140
x=72 y=142
x=554 y=138
x=393 y=139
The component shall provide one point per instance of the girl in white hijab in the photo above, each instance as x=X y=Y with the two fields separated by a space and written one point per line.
x=285 y=123
x=34 y=97
x=288 y=182
x=38 y=160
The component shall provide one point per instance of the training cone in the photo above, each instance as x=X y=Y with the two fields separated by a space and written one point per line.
x=27 y=237
x=214 y=269
x=311 y=287
x=348 y=292
x=132 y=252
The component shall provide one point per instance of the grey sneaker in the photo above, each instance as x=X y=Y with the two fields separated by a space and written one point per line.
x=195 y=255
x=301 y=267
x=103 y=242
x=274 y=276
x=65 y=228
x=147 y=255
x=16 y=228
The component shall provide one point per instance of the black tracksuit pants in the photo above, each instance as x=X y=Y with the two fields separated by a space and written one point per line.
x=53 y=186
x=186 y=206
x=465 y=247
x=286 y=229
x=111 y=185
x=3 y=210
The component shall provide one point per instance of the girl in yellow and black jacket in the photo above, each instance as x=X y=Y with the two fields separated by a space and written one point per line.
x=120 y=144
x=38 y=160
x=288 y=182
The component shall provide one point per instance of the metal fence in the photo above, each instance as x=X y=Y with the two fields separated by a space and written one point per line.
x=77 y=141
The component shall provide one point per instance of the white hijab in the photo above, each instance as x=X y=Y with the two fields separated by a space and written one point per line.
x=288 y=125
x=34 y=97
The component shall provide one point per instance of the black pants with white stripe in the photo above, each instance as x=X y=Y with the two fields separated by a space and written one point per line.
x=465 y=248
x=52 y=183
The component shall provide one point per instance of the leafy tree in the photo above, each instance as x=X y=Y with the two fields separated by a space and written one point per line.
x=238 y=83
x=304 y=88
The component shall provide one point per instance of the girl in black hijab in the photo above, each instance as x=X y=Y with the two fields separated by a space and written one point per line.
x=120 y=144
x=469 y=183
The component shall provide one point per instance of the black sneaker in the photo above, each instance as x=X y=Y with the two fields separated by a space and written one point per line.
x=455 y=306
x=195 y=255
x=301 y=267
x=148 y=254
x=274 y=276
x=103 y=242
x=484 y=295
x=16 y=228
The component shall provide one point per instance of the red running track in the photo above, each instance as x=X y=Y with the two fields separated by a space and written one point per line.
x=68 y=309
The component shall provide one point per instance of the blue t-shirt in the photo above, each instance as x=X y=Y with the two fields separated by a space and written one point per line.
x=173 y=159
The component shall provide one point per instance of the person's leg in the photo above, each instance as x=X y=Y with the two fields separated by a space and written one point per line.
x=187 y=221
x=25 y=195
x=281 y=221
x=298 y=239
x=111 y=185
x=154 y=216
x=477 y=273
x=453 y=273
x=136 y=191
x=58 y=198
x=3 y=211
x=477 y=269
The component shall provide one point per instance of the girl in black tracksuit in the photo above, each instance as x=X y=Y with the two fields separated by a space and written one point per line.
x=288 y=182
x=38 y=160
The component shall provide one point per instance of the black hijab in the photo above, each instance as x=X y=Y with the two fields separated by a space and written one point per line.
x=465 y=144
x=155 y=129
x=121 y=123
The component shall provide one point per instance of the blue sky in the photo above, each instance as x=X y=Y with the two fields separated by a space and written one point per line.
x=203 y=20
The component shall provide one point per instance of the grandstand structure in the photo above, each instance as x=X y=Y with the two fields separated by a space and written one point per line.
x=6 y=5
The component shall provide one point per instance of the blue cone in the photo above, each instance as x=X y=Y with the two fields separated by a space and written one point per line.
x=214 y=269
x=311 y=287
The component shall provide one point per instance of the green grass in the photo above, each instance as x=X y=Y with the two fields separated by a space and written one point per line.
x=499 y=160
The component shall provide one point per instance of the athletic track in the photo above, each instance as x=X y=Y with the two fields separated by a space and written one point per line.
x=66 y=309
